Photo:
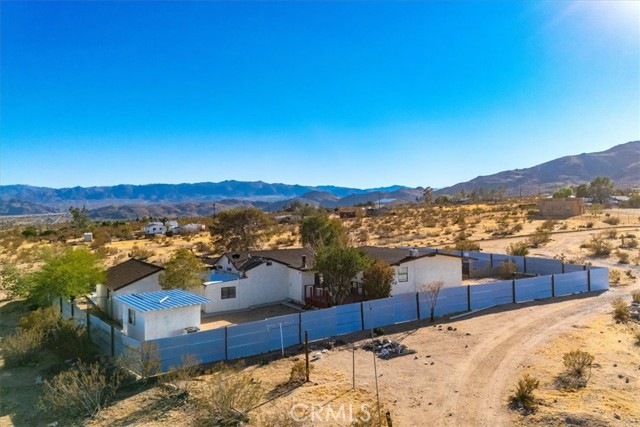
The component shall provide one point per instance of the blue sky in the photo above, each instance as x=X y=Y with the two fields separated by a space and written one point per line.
x=351 y=93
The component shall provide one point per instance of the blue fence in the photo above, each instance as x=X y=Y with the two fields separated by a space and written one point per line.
x=254 y=338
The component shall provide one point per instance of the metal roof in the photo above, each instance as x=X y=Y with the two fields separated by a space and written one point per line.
x=161 y=300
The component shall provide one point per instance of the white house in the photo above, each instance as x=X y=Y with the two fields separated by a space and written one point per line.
x=154 y=228
x=152 y=315
x=414 y=269
x=129 y=277
x=248 y=279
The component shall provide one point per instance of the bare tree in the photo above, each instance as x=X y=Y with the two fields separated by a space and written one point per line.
x=432 y=290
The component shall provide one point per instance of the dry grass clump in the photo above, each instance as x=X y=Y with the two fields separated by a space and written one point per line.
x=523 y=398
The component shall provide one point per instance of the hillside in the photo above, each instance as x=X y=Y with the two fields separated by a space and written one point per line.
x=621 y=163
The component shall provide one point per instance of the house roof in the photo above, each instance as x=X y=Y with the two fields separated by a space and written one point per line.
x=162 y=300
x=392 y=256
x=292 y=258
x=129 y=272
x=219 y=277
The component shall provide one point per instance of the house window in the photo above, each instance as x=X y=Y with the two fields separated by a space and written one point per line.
x=228 y=292
x=132 y=317
x=317 y=279
x=403 y=274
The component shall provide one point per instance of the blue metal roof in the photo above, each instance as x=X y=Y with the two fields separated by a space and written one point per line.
x=217 y=277
x=161 y=300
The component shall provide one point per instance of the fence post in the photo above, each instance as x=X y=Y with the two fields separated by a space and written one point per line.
x=226 y=351
x=362 y=316
x=418 y=304
x=553 y=284
x=113 y=342
x=563 y=268
x=524 y=262
x=513 y=290
x=72 y=310
x=490 y=260
x=468 y=297
x=588 y=280
x=61 y=308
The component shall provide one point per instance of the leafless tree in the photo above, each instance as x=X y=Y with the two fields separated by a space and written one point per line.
x=432 y=290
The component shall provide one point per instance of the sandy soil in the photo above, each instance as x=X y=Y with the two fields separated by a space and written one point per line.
x=261 y=313
x=457 y=377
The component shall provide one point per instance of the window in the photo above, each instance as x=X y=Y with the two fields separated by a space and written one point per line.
x=228 y=292
x=403 y=274
x=318 y=279
x=132 y=317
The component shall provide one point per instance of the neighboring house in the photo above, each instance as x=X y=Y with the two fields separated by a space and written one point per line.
x=248 y=279
x=152 y=315
x=154 y=228
x=131 y=276
x=562 y=207
x=414 y=269
x=173 y=226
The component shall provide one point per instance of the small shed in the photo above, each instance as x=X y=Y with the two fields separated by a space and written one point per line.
x=153 y=315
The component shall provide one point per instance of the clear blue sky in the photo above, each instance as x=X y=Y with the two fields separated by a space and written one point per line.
x=354 y=93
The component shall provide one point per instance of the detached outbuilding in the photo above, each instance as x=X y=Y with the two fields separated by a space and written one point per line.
x=153 y=315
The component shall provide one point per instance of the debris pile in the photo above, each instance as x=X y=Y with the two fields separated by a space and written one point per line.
x=387 y=349
x=634 y=311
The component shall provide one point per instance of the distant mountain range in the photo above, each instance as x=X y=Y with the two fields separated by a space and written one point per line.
x=621 y=163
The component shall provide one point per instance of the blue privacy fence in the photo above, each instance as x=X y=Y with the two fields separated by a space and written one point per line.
x=554 y=279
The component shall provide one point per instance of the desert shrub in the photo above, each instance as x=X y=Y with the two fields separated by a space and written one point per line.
x=589 y=224
x=282 y=419
x=635 y=297
x=298 y=373
x=21 y=348
x=369 y=416
x=615 y=276
x=81 y=391
x=598 y=246
x=140 y=253
x=623 y=257
x=620 y=310
x=577 y=362
x=507 y=269
x=630 y=243
x=611 y=234
x=547 y=225
x=540 y=238
x=467 y=245
x=179 y=380
x=611 y=220
x=46 y=328
x=523 y=397
x=518 y=249
x=227 y=397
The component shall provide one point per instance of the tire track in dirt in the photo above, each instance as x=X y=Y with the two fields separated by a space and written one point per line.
x=491 y=369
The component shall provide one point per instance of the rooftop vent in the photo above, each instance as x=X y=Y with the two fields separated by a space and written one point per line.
x=163 y=299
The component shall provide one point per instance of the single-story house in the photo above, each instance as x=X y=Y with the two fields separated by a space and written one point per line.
x=241 y=280
x=152 y=315
x=247 y=279
x=154 y=228
x=129 y=277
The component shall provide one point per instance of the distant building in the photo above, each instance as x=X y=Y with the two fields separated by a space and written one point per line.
x=154 y=228
x=562 y=207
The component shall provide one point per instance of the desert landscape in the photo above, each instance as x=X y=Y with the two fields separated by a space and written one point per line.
x=464 y=368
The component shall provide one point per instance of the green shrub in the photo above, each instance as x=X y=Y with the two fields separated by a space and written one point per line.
x=298 y=373
x=518 y=249
x=228 y=397
x=540 y=238
x=620 y=310
x=599 y=246
x=81 y=391
x=577 y=362
x=523 y=397
x=611 y=220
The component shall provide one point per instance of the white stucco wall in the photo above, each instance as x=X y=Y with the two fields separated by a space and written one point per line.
x=428 y=269
x=263 y=285
x=148 y=284
x=135 y=331
x=170 y=322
